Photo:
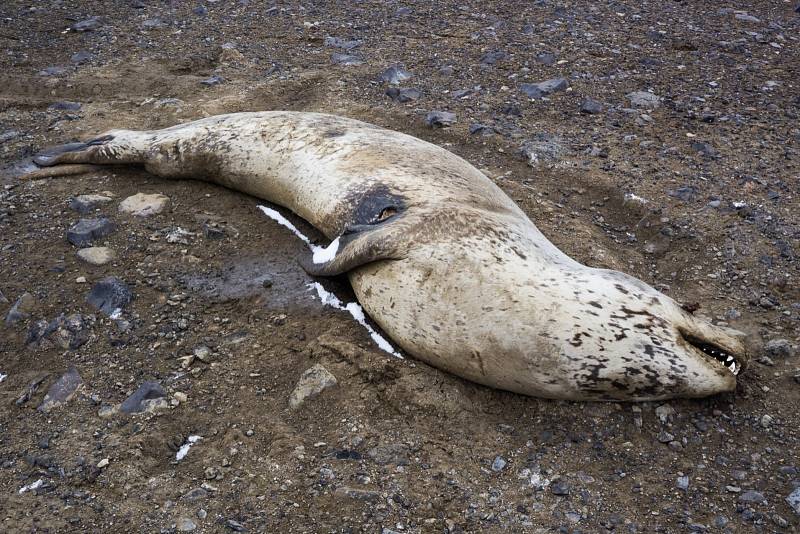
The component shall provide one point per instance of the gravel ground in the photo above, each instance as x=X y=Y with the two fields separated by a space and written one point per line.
x=180 y=375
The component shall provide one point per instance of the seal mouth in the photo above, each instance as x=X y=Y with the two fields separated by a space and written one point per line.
x=715 y=352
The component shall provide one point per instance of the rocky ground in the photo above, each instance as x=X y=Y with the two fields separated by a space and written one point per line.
x=165 y=367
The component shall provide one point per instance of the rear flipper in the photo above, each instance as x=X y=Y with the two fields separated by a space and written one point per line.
x=117 y=147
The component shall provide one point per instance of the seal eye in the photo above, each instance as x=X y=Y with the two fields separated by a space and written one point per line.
x=386 y=213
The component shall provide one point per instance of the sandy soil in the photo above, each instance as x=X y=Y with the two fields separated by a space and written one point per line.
x=698 y=196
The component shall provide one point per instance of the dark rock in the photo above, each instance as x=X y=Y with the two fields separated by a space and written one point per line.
x=52 y=71
x=704 y=148
x=546 y=58
x=779 y=348
x=335 y=42
x=136 y=402
x=403 y=95
x=591 y=106
x=560 y=487
x=213 y=80
x=394 y=75
x=391 y=453
x=87 y=25
x=347 y=59
x=512 y=110
x=85 y=231
x=752 y=496
x=440 y=119
x=67 y=332
x=195 y=494
x=62 y=390
x=686 y=193
x=793 y=500
x=213 y=231
x=480 y=129
x=8 y=135
x=461 y=93
x=538 y=90
x=492 y=57
x=81 y=57
x=85 y=203
x=110 y=295
x=643 y=99
x=665 y=437
x=64 y=105
x=153 y=24
x=235 y=526
x=200 y=11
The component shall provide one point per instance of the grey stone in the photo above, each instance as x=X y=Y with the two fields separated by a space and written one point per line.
x=144 y=204
x=110 y=295
x=67 y=332
x=96 y=255
x=793 y=500
x=480 y=129
x=498 y=464
x=492 y=57
x=213 y=80
x=440 y=119
x=560 y=487
x=8 y=135
x=744 y=17
x=644 y=99
x=86 y=231
x=313 y=382
x=403 y=95
x=64 y=105
x=85 y=203
x=686 y=193
x=153 y=24
x=81 y=57
x=335 y=42
x=53 y=71
x=665 y=437
x=682 y=483
x=21 y=309
x=546 y=58
x=779 y=348
x=195 y=494
x=538 y=90
x=235 y=526
x=184 y=524
x=135 y=403
x=394 y=75
x=62 y=390
x=392 y=453
x=591 y=106
x=347 y=59
x=544 y=148
x=752 y=496
x=87 y=25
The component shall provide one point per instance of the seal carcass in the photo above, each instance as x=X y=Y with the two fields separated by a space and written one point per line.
x=444 y=261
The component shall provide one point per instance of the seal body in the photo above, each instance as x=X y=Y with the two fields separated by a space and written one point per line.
x=444 y=261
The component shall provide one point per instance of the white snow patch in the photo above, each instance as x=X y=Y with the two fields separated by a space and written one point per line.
x=31 y=486
x=323 y=255
x=354 y=309
x=116 y=314
x=3 y=377
x=739 y=204
x=283 y=221
x=184 y=450
x=635 y=198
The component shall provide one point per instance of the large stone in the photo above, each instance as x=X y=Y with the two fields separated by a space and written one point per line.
x=96 y=255
x=313 y=382
x=85 y=203
x=21 y=309
x=110 y=296
x=538 y=90
x=62 y=390
x=137 y=402
x=86 y=231
x=440 y=119
x=793 y=500
x=394 y=75
x=643 y=99
x=143 y=205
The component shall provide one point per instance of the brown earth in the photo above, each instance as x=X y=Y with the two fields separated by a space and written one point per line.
x=397 y=445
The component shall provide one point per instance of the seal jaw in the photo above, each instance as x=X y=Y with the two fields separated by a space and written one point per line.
x=714 y=352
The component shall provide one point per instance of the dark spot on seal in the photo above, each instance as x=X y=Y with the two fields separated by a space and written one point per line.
x=333 y=133
x=621 y=289
x=595 y=304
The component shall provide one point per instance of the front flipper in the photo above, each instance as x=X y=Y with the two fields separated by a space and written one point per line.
x=358 y=246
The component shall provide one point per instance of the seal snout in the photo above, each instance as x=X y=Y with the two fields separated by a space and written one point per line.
x=718 y=346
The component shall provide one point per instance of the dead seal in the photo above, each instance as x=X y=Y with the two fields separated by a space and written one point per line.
x=447 y=264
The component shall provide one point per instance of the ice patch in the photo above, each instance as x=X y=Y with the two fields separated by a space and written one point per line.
x=631 y=197
x=184 y=450
x=354 y=309
x=324 y=255
x=116 y=314
x=3 y=377
x=31 y=486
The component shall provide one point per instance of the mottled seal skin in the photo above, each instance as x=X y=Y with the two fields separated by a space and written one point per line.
x=447 y=264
